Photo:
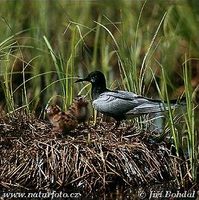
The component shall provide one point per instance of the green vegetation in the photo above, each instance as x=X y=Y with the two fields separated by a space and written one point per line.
x=141 y=46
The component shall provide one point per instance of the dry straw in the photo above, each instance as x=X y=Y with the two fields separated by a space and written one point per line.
x=34 y=159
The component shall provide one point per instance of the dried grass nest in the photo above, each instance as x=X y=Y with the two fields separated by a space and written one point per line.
x=33 y=159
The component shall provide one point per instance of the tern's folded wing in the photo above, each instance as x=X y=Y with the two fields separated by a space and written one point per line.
x=116 y=103
x=122 y=94
x=150 y=107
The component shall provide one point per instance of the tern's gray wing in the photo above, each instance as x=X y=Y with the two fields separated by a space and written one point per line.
x=141 y=105
x=150 y=107
x=117 y=103
x=124 y=95
x=131 y=96
x=147 y=108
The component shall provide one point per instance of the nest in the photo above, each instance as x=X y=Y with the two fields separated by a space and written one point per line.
x=91 y=158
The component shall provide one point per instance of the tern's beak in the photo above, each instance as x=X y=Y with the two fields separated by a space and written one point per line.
x=81 y=80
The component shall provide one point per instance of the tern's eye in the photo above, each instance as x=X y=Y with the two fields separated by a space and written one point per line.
x=93 y=79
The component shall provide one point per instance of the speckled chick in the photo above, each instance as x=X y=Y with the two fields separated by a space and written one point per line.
x=61 y=121
x=79 y=109
x=78 y=112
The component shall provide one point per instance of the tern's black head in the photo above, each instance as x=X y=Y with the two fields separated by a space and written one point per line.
x=95 y=78
x=98 y=82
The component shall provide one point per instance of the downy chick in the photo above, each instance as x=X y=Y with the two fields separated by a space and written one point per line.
x=61 y=121
x=79 y=109
x=67 y=121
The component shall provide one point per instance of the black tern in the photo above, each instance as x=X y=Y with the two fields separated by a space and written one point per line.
x=121 y=104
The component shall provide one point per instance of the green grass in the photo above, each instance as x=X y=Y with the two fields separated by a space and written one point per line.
x=190 y=122
x=139 y=45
